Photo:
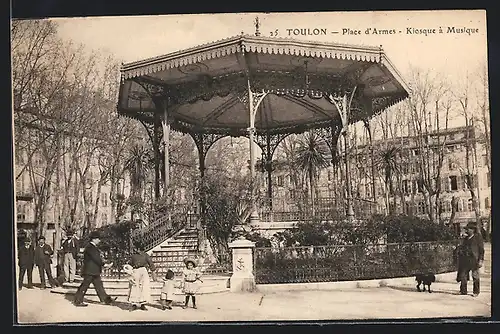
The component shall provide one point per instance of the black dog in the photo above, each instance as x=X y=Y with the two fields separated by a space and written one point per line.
x=426 y=279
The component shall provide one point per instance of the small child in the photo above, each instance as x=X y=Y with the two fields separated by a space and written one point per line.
x=191 y=276
x=133 y=292
x=167 y=291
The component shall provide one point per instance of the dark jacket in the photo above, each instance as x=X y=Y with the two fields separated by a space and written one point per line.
x=71 y=245
x=43 y=255
x=142 y=259
x=26 y=257
x=92 y=261
x=471 y=251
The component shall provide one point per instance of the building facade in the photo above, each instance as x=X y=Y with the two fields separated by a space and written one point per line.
x=449 y=149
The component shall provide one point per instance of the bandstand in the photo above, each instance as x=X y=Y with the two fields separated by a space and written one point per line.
x=261 y=88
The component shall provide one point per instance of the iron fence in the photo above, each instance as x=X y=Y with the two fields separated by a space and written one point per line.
x=352 y=262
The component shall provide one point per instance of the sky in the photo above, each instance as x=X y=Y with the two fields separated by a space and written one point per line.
x=415 y=41
x=137 y=37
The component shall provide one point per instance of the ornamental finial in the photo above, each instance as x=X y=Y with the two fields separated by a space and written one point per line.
x=257 y=26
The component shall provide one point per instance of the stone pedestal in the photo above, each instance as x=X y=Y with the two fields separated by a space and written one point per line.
x=242 y=279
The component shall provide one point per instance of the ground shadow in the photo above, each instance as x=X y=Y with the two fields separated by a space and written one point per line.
x=119 y=304
x=414 y=290
x=122 y=304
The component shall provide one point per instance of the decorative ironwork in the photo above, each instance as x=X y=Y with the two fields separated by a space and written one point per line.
x=204 y=141
x=352 y=262
x=330 y=136
x=268 y=143
x=150 y=130
x=152 y=89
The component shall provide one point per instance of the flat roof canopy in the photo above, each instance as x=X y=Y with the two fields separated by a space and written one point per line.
x=205 y=88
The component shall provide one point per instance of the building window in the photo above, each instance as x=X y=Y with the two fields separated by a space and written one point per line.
x=280 y=181
x=420 y=186
x=21 y=212
x=453 y=182
x=415 y=152
x=406 y=187
x=104 y=199
x=469 y=205
x=368 y=188
x=104 y=219
x=488 y=179
x=421 y=208
x=460 y=206
x=486 y=203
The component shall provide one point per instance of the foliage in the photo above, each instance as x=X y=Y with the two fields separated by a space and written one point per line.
x=260 y=241
x=223 y=200
x=392 y=229
x=402 y=228
x=115 y=242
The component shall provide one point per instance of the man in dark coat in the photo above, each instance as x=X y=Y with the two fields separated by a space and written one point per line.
x=91 y=272
x=26 y=261
x=43 y=260
x=470 y=259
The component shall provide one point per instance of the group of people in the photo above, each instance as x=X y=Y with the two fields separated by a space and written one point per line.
x=30 y=256
x=137 y=270
x=40 y=255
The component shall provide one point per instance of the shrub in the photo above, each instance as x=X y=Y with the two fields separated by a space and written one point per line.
x=115 y=242
x=392 y=229
x=259 y=240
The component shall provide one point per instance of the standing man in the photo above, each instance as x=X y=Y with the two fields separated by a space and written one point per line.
x=91 y=272
x=470 y=259
x=26 y=261
x=70 y=249
x=43 y=260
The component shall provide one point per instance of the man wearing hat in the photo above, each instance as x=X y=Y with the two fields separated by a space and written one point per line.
x=26 y=261
x=470 y=259
x=91 y=272
x=43 y=260
x=70 y=249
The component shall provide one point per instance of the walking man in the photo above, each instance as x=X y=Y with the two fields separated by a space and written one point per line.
x=70 y=250
x=470 y=259
x=43 y=260
x=91 y=272
x=26 y=261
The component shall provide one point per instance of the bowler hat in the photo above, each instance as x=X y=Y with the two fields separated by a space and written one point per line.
x=187 y=260
x=94 y=235
x=41 y=238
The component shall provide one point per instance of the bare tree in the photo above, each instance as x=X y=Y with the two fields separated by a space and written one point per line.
x=429 y=104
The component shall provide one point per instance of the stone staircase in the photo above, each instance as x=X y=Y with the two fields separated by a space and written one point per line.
x=171 y=253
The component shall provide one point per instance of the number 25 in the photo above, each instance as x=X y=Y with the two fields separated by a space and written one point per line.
x=274 y=33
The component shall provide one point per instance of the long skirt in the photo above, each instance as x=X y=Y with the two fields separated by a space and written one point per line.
x=140 y=292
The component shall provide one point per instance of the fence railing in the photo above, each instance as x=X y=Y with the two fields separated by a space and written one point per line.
x=352 y=262
x=325 y=209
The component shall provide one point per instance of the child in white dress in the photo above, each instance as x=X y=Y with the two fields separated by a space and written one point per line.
x=133 y=292
x=167 y=291
x=191 y=277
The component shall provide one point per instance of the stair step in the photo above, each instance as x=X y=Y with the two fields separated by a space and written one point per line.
x=119 y=287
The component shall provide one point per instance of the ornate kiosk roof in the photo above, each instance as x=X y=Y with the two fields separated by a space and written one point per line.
x=205 y=88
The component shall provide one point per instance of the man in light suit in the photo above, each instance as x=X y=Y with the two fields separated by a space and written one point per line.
x=91 y=273
x=70 y=250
